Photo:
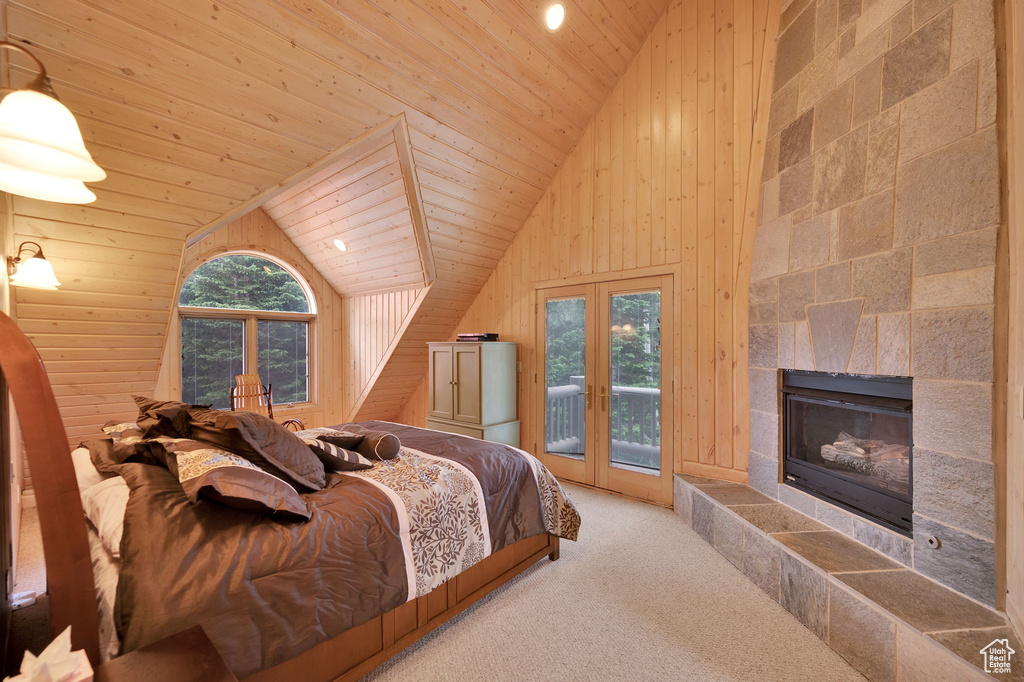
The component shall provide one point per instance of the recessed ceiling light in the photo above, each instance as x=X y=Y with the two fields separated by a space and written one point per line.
x=555 y=16
x=341 y=245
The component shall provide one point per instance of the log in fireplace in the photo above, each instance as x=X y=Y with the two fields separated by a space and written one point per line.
x=847 y=438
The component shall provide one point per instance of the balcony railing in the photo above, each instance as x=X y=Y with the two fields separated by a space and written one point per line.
x=635 y=423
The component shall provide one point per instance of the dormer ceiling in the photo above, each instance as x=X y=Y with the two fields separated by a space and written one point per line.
x=367 y=200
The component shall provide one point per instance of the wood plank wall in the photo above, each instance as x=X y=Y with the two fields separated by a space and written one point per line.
x=659 y=182
x=1010 y=297
x=371 y=324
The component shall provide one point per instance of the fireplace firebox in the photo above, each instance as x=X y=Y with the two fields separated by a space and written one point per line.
x=847 y=438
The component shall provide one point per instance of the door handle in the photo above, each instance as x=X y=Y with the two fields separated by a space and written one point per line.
x=609 y=394
x=587 y=393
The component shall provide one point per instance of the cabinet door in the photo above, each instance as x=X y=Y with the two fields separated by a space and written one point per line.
x=467 y=384
x=441 y=382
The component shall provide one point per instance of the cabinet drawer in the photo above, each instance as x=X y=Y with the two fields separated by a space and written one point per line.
x=507 y=433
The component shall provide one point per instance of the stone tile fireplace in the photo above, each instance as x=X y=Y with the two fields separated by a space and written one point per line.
x=847 y=439
x=875 y=255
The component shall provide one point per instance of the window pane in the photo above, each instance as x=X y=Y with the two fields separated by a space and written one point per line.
x=212 y=353
x=564 y=420
x=243 y=283
x=283 y=359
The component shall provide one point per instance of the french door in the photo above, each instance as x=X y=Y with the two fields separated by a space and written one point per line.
x=606 y=380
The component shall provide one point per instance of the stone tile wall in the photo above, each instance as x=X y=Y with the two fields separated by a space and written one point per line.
x=875 y=251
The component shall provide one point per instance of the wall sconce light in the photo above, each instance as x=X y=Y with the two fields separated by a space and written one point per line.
x=42 y=154
x=34 y=272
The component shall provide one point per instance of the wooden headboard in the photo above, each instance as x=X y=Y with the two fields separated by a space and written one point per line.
x=61 y=517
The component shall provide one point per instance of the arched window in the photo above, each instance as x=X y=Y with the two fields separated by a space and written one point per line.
x=244 y=314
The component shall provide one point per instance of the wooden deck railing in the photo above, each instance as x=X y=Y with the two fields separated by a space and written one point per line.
x=635 y=418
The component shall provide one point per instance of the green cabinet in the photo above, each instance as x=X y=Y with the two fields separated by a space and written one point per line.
x=472 y=390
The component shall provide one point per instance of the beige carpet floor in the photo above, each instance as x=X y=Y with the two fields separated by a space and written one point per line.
x=639 y=597
x=30 y=626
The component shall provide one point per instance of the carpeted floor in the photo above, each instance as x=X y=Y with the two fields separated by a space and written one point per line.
x=639 y=597
x=30 y=626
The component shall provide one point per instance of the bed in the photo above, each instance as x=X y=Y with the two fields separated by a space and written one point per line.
x=375 y=568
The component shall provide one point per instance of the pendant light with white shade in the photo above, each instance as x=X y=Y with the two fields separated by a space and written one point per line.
x=42 y=154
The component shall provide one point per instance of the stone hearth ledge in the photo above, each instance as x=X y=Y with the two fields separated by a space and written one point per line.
x=889 y=622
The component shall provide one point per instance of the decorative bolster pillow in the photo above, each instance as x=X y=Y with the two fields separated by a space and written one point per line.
x=225 y=478
x=379 y=445
x=337 y=458
x=343 y=439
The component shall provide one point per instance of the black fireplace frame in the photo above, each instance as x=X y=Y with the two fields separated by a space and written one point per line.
x=886 y=395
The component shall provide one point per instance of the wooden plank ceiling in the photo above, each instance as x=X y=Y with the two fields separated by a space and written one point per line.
x=368 y=199
x=193 y=107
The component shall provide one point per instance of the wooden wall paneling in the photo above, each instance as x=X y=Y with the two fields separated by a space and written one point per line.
x=618 y=163
x=659 y=158
x=723 y=256
x=690 y=348
x=1009 y=477
x=630 y=183
x=763 y=56
x=705 y=226
x=644 y=114
x=654 y=158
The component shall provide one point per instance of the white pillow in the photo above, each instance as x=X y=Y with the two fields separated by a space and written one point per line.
x=85 y=471
x=105 y=504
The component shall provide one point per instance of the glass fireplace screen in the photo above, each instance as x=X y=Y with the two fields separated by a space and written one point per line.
x=862 y=444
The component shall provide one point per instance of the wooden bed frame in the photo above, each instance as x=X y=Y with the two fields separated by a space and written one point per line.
x=69 y=565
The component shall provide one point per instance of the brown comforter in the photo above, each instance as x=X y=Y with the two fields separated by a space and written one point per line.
x=266 y=591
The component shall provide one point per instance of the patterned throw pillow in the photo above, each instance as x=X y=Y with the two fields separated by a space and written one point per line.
x=263 y=442
x=122 y=431
x=337 y=458
x=222 y=477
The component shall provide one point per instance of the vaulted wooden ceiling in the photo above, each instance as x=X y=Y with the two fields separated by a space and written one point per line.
x=194 y=107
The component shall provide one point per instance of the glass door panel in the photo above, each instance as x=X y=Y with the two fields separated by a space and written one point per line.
x=565 y=377
x=635 y=378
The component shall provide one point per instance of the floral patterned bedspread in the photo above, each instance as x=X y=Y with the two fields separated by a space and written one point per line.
x=441 y=499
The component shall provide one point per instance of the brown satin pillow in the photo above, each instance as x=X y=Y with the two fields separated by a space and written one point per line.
x=106 y=453
x=263 y=442
x=227 y=479
x=162 y=417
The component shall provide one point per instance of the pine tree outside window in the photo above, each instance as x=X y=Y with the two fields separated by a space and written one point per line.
x=245 y=314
